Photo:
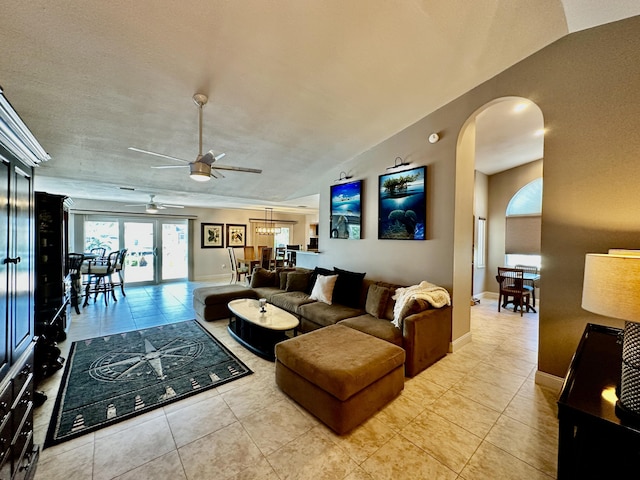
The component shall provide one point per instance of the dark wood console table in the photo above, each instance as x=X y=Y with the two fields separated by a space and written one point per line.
x=594 y=441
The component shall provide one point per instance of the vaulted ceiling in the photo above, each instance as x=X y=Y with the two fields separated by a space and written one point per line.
x=295 y=88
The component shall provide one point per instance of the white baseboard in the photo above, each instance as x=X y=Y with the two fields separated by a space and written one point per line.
x=214 y=278
x=548 y=380
x=460 y=342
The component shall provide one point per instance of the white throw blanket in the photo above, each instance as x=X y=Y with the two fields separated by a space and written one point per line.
x=435 y=295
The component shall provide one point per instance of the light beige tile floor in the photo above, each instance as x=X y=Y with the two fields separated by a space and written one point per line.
x=476 y=414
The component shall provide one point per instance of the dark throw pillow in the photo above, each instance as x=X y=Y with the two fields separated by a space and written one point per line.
x=348 y=288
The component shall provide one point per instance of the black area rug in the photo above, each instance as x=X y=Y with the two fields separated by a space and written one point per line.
x=112 y=378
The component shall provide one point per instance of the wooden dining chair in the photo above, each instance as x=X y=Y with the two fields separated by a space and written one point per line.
x=266 y=259
x=249 y=252
x=511 y=283
x=533 y=283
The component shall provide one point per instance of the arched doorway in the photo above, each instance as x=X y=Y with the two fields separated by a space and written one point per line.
x=495 y=141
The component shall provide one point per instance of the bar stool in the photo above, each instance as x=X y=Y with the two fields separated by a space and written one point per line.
x=100 y=278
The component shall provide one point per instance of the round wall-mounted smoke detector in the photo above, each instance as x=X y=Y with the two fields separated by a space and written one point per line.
x=434 y=137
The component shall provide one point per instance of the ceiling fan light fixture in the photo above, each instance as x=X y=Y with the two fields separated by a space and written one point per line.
x=152 y=208
x=200 y=172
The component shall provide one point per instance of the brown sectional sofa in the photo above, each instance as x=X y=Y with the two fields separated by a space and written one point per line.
x=425 y=333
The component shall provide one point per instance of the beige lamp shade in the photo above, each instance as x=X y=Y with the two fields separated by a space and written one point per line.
x=612 y=285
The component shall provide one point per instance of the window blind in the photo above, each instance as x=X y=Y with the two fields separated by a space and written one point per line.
x=522 y=234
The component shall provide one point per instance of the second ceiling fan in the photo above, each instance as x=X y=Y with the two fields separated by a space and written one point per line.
x=202 y=168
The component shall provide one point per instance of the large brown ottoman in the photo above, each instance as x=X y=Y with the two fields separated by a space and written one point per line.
x=340 y=375
x=210 y=303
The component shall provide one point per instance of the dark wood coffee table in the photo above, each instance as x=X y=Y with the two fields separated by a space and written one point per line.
x=259 y=332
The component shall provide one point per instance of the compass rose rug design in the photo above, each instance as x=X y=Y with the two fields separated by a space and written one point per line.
x=112 y=378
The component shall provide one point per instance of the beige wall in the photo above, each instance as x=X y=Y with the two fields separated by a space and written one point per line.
x=586 y=86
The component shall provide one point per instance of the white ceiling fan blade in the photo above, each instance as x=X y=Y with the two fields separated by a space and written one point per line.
x=137 y=205
x=215 y=174
x=170 y=166
x=158 y=154
x=172 y=206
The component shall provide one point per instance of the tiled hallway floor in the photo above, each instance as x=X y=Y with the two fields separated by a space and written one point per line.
x=476 y=414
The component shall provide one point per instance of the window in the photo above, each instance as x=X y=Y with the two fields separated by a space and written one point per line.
x=481 y=242
x=523 y=225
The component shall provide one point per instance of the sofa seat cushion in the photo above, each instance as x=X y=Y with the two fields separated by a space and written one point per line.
x=222 y=294
x=290 y=301
x=266 y=292
x=323 y=314
x=380 y=328
x=339 y=359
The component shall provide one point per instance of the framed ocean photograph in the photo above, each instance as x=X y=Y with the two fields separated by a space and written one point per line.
x=402 y=205
x=212 y=235
x=346 y=210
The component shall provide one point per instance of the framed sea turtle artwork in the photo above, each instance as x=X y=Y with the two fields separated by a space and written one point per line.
x=402 y=205
x=346 y=210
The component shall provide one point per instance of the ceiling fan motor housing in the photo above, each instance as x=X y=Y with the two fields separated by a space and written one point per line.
x=200 y=171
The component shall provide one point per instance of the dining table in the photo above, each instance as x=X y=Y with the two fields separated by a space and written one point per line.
x=249 y=262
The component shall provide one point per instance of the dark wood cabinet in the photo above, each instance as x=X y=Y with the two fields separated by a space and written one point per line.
x=19 y=154
x=594 y=440
x=51 y=246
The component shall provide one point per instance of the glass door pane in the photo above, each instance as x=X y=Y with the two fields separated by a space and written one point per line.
x=174 y=250
x=101 y=234
x=140 y=261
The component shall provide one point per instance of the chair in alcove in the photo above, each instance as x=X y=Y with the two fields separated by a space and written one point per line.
x=512 y=286
x=533 y=283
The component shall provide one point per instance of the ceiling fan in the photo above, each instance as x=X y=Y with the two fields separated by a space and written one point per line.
x=153 y=207
x=201 y=169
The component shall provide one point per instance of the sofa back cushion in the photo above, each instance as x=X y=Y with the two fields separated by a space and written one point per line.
x=297 y=282
x=348 y=288
x=377 y=298
x=263 y=278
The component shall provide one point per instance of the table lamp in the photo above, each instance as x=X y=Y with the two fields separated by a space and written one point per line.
x=612 y=288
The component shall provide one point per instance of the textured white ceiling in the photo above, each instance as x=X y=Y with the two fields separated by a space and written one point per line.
x=296 y=88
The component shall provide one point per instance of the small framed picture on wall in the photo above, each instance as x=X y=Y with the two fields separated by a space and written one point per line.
x=212 y=235
x=236 y=235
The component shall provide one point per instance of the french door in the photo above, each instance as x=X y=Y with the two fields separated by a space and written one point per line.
x=157 y=249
